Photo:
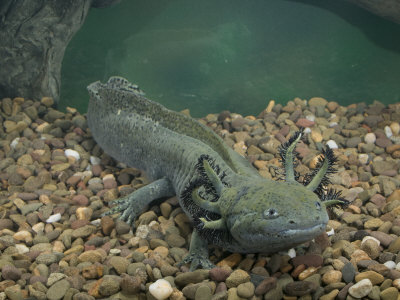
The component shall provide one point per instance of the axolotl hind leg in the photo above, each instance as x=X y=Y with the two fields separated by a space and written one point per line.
x=132 y=205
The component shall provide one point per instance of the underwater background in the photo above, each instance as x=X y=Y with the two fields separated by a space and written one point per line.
x=216 y=55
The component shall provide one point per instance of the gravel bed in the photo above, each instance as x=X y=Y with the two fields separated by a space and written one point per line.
x=56 y=182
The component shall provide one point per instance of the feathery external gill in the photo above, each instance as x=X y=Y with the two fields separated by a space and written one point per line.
x=319 y=178
x=288 y=154
x=332 y=197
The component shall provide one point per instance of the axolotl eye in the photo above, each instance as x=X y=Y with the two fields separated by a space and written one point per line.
x=318 y=205
x=271 y=213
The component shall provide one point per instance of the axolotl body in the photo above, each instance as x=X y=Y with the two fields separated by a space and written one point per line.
x=229 y=203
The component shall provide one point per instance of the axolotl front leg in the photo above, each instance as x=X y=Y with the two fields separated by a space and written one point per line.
x=132 y=205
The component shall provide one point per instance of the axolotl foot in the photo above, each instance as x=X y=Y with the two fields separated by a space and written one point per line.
x=198 y=254
x=196 y=261
x=132 y=205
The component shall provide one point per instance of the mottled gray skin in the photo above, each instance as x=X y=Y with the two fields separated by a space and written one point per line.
x=254 y=214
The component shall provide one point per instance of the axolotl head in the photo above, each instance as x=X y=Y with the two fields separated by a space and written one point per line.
x=269 y=216
x=259 y=215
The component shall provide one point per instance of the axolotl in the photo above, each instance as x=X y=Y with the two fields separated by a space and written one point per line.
x=229 y=203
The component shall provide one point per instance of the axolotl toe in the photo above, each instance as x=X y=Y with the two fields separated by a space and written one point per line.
x=228 y=202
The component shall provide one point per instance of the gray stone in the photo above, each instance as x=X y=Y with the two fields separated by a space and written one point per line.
x=348 y=272
x=110 y=285
x=58 y=290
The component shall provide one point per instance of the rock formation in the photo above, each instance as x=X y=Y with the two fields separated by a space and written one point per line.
x=389 y=9
x=34 y=36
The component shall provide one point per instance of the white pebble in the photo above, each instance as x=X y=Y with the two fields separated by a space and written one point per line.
x=398 y=267
x=115 y=251
x=96 y=222
x=161 y=289
x=307 y=130
x=361 y=288
x=87 y=174
x=390 y=264
x=310 y=118
x=108 y=176
x=370 y=138
x=332 y=144
x=54 y=218
x=38 y=227
x=22 y=248
x=332 y=124
x=72 y=153
x=291 y=252
x=388 y=132
x=363 y=158
x=94 y=160
x=330 y=232
x=14 y=143
x=370 y=238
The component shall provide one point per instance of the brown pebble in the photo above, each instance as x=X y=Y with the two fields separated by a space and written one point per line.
x=298 y=270
x=265 y=285
x=332 y=276
x=80 y=200
x=231 y=260
x=304 y=123
x=107 y=225
x=308 y=272
x=373 y=276
x=299 y=288
x=310 y=260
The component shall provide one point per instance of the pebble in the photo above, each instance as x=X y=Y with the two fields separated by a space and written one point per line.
x=388 y=132
x=191 y=277
x=61 y=180
x=390 y=264
x=374 y=277
x=107 y=286
x=72 y=153
x=58 y=290
x=370 y=138
x=237 y=277
x=220 y=273
x=245 y=290
x=120 y=264
x=161 y=289
x=54 y=218
x=13 y=292
x=332 y=144
x=310 y=260
x=302 y=122
x=389 y=293
x=266 y=285
x=203 y=292
x=361 y=288
x=395 y=127
x=332 y=276
x=348 y=272
x=10 y=272
x=299 y=288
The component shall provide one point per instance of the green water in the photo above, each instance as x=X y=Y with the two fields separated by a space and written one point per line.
x=236 y=55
